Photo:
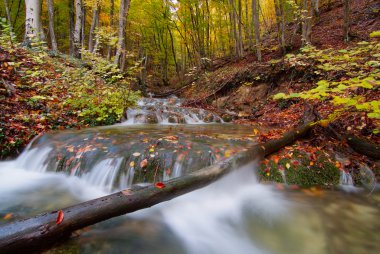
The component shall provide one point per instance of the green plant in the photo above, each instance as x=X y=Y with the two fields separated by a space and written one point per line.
x=100 y=93
x=358 y=69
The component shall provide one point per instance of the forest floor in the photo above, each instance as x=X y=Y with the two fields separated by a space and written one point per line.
x=244 y=90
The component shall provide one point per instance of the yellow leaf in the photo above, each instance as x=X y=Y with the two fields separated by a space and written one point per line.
x=324 y=123
x=132 y=164
x=287 y=165
x=8 y=216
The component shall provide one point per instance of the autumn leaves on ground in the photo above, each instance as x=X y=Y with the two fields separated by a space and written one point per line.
x=42 y=90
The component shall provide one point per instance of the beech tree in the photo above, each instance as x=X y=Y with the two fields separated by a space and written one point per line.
x=8 y=14
x=280 y=21
x=120 y=51
x=94 y=25
x=256 y=25
x=306 y=23
x=33 y=25
x=53 y=41
x=347 y=20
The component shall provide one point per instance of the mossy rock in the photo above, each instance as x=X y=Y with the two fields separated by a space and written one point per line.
x=299 y=171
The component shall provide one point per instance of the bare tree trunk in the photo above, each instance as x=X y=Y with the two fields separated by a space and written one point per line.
x=77 y=34
x=240 y=32
x=347 y=20
x=123 y=14
x=50 y=5
x=7 y=12
x=72 y=27
x=315 y=5
x=280 y=21
x=17 y=13
x=256 y=26
x=83 y=31
x=233 y=18
x=33 y=25
x=248 y=27
x=94 y=22
x=306 y=23
x=112 y=11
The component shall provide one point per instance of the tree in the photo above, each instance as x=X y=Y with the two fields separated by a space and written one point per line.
x=280 y=21
x=33 y=25
x=121 y=46
x=77 y=34
x=347 y=20
x=315 y=5
x=306 y=23
x=112 y=12
x=256 y=26
x=94 y=25
x=7 y=12
x=50 y=6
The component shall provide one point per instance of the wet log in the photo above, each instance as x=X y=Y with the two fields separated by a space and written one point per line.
x=45 y=230
x=363 y=147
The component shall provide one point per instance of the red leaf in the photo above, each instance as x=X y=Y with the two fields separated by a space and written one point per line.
x=59 y=217
x=160 y=185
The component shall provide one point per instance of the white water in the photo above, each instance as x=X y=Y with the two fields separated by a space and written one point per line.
x=233 y=215
x=167 y=111
x=211 y=220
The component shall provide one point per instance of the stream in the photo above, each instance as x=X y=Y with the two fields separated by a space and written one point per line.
x=160 y=140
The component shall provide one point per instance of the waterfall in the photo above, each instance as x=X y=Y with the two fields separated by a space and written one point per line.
x=167 y=111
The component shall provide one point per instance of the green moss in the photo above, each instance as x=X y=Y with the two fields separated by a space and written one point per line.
x=270 y=173
x=299 y=172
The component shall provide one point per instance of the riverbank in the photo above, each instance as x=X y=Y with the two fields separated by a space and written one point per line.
x=42 y=91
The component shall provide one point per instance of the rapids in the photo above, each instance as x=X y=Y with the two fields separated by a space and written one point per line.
x=236 y=214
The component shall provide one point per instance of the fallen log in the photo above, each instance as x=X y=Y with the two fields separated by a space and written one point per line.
x=44 y=230
x=363 y=147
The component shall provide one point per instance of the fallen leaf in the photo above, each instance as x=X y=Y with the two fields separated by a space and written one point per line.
x=59 y=217
x=127 y=192
x=144 y=163
x=287 y=165
x=8 y=216
x=160 y=185
x=132 y=164
x=324 y=123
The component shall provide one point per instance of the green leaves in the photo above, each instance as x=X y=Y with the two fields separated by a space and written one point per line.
x=358 y=69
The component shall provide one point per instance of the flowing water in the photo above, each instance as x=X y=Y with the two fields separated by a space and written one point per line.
x=236 y=214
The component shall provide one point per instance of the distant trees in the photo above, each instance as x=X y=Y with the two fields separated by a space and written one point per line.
x=167 y=36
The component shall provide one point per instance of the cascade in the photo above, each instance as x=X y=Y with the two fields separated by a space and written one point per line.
x=233 y=215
